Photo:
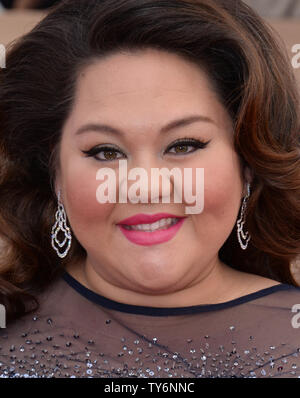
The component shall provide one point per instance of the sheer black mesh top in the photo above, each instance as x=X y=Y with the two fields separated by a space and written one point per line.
x=79 y=333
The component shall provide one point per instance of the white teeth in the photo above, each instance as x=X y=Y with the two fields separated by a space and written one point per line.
x=161 y=224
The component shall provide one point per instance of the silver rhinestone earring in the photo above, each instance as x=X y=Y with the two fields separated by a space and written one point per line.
x=61 y=226
x=243 y=237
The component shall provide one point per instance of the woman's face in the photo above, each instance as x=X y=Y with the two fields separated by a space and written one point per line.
x=139 y=94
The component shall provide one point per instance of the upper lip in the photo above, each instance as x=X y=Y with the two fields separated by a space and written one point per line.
x=146 y=218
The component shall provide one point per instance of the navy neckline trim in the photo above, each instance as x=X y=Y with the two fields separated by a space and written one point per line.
x=168 y=311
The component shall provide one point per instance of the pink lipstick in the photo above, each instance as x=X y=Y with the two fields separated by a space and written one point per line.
x=147 y=238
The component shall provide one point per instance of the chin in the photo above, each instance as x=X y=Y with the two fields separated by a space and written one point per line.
x=159 y=286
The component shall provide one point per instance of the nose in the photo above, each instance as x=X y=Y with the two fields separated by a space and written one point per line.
x=146 y=181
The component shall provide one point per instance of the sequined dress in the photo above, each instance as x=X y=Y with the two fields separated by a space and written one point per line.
x=79 y=333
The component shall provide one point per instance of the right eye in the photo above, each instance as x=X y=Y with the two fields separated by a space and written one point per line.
x=109 y=153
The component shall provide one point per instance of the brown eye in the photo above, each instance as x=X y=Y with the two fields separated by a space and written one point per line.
x=104 y=154
x=109 y=155
x=181 y=146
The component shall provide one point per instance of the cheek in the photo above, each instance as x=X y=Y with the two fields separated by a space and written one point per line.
x=223 y=186
x=222 y=198
x=81 y=204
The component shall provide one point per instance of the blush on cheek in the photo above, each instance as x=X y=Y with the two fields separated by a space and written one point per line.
x=81 y=203
x=222 y=195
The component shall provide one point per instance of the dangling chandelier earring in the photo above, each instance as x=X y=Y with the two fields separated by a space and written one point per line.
x=61 y=226
x=243 y=237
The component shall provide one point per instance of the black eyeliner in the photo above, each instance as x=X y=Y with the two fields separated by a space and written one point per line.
x=95 y=150
x=198 y=144
x=187 y=141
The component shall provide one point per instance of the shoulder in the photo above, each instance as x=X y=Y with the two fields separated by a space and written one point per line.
x=24 y=338
x=248 y=287
x=254 y=283
x=258 y=284
x=280 y=299
x=244 y=283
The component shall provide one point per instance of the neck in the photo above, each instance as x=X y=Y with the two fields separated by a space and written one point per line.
x=218 y=283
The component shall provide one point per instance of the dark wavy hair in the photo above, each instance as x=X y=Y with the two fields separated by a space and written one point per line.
x=251 y=72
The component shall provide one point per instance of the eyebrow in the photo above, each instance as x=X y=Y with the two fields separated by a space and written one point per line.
x=104 y=128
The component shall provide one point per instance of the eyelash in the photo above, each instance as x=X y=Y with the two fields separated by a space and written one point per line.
x=196 y=143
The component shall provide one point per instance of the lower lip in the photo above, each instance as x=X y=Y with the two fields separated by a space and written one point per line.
x=152 y=238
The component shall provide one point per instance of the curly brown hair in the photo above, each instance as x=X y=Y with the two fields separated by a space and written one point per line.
x=251 y=72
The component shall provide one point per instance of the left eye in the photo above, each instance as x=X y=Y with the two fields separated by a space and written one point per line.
x=184 y=144
x=181 y=148
x=109 y=153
